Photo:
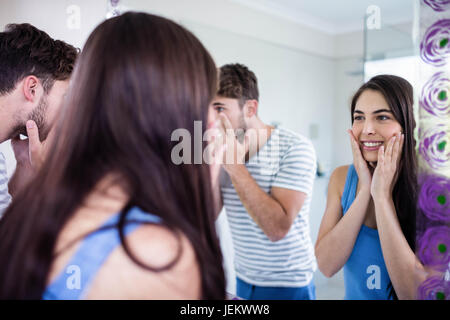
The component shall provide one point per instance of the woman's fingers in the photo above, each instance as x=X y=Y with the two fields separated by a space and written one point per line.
x=355 y=147
x=393 y=150
x=381 y=157
x=396 y=148
x=352 y=137
x=352 y=145
x=389 y=149
x=402 y=141
x=398 y=154
x=358 y=160
x=357 y=155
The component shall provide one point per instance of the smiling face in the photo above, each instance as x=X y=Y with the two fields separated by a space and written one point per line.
x=373 y=123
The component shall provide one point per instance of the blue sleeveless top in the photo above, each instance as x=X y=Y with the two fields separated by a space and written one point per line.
x=365 y=273
x=74 y=281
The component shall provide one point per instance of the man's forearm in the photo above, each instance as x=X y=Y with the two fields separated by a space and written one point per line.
x=267 y=212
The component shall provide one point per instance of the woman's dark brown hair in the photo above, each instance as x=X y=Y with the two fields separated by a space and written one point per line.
x=139 y=78
x=398 y=94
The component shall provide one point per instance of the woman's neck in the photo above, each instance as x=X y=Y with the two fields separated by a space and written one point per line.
x=108 y=195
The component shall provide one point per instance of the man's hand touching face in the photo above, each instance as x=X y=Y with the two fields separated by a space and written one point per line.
x=30 y=151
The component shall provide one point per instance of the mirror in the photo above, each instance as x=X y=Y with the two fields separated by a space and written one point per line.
x=309 y=58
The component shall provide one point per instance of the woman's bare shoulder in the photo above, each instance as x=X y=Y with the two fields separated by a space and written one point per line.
x=154 y=246
x=337 y=179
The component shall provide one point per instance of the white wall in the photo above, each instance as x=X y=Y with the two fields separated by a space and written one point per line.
x=349 y=77
x=51 y=16
x=242 y=20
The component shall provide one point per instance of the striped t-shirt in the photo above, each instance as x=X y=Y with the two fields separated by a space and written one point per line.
x=5 y=198
x=287 y=160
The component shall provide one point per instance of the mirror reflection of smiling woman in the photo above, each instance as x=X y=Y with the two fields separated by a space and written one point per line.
x=369 y=223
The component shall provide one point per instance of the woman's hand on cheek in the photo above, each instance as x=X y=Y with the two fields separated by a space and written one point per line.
x=385 y=174
x=360 y=164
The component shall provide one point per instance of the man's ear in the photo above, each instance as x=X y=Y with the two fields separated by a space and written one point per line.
x=251 y=108
x=31 y=88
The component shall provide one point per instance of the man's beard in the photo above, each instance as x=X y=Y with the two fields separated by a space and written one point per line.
x=38 y=116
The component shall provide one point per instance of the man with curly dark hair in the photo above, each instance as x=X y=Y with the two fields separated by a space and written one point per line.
x=34 y=76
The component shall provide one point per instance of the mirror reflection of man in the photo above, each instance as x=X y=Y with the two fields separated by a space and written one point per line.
x=265 y=186
x=34 y=77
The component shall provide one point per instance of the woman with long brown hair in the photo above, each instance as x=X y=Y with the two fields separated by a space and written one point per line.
x=369 y=223
x=109 y=215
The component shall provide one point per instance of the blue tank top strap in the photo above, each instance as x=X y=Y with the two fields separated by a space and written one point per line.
x=93 y=252
x=365 y=272
x=350 y=189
